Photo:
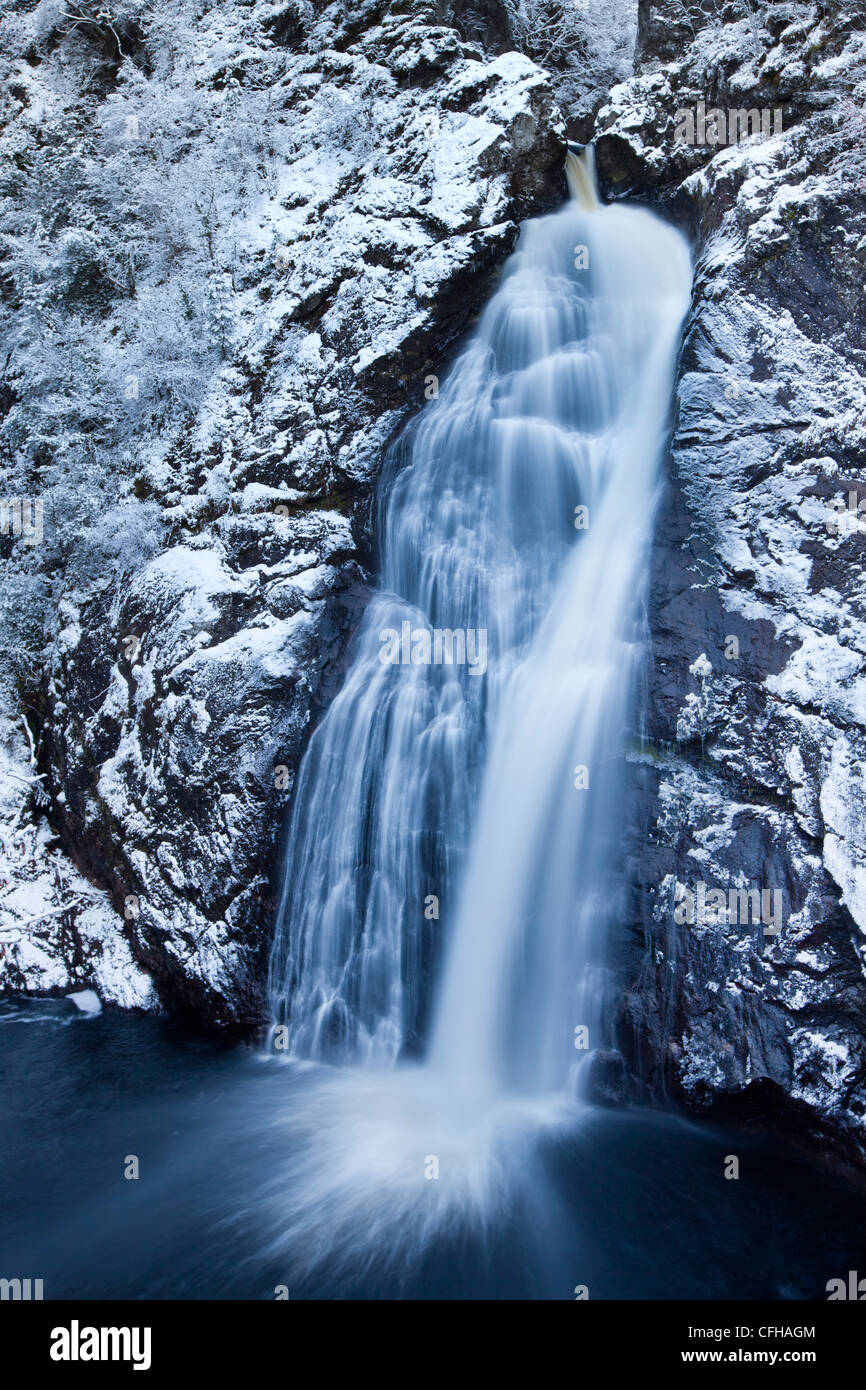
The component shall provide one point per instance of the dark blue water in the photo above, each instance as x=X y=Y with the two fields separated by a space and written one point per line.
x=633 y=1205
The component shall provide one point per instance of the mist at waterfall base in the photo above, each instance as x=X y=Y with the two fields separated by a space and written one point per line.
x=632 y=1204
x=426 y=1133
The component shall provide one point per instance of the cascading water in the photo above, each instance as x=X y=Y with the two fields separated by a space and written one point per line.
x=465 y=781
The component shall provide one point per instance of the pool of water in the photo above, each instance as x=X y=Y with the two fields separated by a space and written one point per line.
x=255 y=1175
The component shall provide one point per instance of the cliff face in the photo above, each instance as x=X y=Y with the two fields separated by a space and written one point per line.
x=751 y=772
x=244 y=240
x=241 y=242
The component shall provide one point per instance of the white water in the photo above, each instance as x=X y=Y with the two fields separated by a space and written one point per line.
x=427 y=779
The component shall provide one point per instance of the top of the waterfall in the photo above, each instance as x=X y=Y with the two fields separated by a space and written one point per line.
x=580 y=174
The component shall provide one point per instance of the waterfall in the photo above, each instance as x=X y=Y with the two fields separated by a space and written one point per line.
x=580 y=176
x=451 y=864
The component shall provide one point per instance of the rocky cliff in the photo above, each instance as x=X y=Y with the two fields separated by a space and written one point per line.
x=749 y=767
x=244 y=242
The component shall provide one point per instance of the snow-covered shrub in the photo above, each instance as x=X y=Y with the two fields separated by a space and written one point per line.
x=119 y=244
x=575 y=37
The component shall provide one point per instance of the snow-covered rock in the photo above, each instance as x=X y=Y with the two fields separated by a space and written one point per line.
x=56 y=929
x=242 y=239
x=753 y=771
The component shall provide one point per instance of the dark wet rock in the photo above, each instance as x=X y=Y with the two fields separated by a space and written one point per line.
x=750 y=772
x=607 y=1083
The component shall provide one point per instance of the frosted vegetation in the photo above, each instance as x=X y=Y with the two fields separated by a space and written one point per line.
x=589 y=46
x=122 y=265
